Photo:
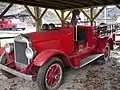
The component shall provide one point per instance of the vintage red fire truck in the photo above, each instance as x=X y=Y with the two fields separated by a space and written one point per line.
x=42 y=56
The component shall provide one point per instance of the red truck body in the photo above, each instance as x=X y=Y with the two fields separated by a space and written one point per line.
x=72 y=45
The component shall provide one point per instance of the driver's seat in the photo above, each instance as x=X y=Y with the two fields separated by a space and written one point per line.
x=80 y=35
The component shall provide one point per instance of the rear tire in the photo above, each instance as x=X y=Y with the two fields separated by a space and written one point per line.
x=105 y=58
x=50 y=75
x=3 y=62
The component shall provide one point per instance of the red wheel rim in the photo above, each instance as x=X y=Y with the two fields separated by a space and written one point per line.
x=106 y=52
x=53 y=76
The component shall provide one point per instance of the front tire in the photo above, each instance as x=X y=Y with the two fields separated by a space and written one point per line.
x=50 y=75
x=3 y=62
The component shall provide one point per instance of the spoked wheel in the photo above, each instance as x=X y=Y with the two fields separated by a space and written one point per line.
x=107 y=53
x=50 y=75
x=53 y=76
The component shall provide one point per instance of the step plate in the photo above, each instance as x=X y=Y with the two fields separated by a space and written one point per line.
x=89 y=59
x=115 y=47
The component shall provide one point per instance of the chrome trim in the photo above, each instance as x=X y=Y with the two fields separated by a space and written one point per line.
x=7 y=46
x=21 y=39
x=21 y=64
x=91 y=60
x=31 y=51
x=16 y=73
x=1 y=56
x=76 y=33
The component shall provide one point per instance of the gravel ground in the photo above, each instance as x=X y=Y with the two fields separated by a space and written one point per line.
x=90 y=77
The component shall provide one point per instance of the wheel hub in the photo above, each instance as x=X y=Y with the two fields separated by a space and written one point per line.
x=106 y=53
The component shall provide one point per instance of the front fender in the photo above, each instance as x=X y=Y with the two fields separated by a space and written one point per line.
x=45 y=55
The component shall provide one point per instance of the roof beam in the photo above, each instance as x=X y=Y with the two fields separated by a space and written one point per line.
x=111 y=1
x=68 y=15
x=85 y=14
x=78 y=2
x=43 y=13
x=56 y=3
x=47 y=3
x=58 y=15
x=98 y=1
x=69 y=2
x=99 y=12
x=87 y=2
x=34 y=3
x=64 y=4
x=8 y=7
x=29 y=11
x=118 y=6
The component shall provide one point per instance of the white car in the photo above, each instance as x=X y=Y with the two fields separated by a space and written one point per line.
x=19 y=24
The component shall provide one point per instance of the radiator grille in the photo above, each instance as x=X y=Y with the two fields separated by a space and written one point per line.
x=20 y=56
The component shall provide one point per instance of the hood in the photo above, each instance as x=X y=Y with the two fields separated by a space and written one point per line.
x=43 y=36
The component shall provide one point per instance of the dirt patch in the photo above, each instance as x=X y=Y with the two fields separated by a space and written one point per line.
x=90 y=77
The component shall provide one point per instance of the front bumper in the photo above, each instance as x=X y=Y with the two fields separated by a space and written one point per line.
x=16 y=73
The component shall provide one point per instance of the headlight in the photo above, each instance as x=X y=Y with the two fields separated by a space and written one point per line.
x=9 y=47
x=29 y=52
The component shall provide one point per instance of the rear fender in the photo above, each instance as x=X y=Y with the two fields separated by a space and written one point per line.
x=44 y=56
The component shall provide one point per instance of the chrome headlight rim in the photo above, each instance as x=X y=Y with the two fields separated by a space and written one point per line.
x=9 y=47
x=30 y=53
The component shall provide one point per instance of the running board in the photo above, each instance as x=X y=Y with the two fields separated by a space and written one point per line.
x=89 y=59
x=115 y=47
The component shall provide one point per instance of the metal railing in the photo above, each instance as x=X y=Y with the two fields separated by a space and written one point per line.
x=106 y=30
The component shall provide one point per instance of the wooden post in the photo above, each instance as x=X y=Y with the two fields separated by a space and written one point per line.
x=36 y=10
x=62 y=17
x=91 y=15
